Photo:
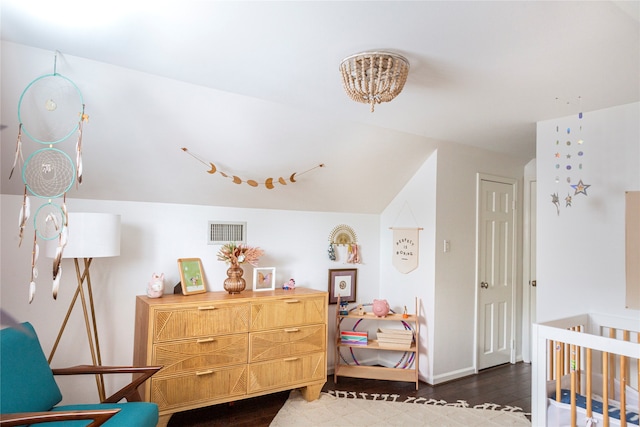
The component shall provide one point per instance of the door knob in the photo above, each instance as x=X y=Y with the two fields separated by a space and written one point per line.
x=484 y=285
x=533 y=283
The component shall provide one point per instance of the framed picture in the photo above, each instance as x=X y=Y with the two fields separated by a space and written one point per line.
x=264 y=279
x=342 y=281
x=191 y=276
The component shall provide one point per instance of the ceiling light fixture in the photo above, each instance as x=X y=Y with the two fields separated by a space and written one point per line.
x=374 y=77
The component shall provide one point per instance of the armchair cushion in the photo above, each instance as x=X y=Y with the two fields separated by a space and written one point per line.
x=26 y=380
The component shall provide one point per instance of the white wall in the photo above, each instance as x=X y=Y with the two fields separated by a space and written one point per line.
x=456 y=284
x=154 y=236
x=413 y=207
x=442 y=198
x=580 y=252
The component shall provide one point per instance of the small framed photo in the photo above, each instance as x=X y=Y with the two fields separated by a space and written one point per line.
x=191 y=276
x=264 y=278
x=342 y=281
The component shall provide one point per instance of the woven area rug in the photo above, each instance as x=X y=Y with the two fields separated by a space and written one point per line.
x=340 y=408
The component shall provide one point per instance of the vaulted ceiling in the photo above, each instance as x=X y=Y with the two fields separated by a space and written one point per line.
x=253 y=87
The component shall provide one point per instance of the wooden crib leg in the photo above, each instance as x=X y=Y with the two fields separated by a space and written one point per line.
x=588 y=393
x=605 y=388
x=612 y=366
x=558 y=354
x=573 y=384
x=623 y=391
x=550 y=355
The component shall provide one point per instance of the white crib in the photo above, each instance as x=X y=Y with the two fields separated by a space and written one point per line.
x=593 y=361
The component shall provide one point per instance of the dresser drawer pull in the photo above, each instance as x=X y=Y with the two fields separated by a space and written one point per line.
x=290 y=359
x=209 y=307
x=203 y=340
x=208 y=372
x=291 y=330
x=291 y=301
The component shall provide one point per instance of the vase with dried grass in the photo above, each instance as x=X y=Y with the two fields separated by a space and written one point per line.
x=234 y=255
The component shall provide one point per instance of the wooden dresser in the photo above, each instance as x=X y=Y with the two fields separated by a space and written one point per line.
x=215 y=347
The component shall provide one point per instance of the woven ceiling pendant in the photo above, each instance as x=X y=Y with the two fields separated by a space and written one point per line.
x=374 y=77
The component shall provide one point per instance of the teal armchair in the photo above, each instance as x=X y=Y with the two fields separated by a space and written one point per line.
x=29 y=393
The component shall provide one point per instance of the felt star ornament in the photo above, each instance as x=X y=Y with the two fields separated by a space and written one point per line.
x=568 y=200
x=580 y=187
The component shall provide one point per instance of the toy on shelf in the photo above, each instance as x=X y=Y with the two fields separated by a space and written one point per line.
x=291 y=284
x=380 y=307
x=344 y=308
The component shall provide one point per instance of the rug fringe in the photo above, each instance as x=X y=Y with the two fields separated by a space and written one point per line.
x=382 y=397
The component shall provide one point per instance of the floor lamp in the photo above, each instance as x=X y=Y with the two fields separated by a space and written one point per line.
x=91 y=235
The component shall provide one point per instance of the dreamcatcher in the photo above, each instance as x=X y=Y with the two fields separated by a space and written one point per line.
x=50 y=111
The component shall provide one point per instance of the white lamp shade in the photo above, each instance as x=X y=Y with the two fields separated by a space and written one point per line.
x=91 y=235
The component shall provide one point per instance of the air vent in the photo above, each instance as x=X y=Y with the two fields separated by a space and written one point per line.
x=225 y=232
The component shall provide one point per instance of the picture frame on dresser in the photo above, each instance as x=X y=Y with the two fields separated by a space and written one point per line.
x=191 y=276
x=264 y=278
x=342 y=281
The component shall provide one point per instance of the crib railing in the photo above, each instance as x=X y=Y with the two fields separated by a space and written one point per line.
x=566 y=360
x=572 y=347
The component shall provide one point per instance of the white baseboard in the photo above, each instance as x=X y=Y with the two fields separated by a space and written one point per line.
x=453 y=375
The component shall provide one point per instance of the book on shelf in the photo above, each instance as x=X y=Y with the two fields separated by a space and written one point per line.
x=353 y=338
x=395 y=338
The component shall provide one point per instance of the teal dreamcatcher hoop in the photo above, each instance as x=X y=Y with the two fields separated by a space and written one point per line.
x=50 y=109
x=48 y=173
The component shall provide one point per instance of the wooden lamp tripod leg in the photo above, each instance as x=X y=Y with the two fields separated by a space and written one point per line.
x=91 y=336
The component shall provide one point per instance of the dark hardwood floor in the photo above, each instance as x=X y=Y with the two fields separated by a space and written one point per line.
x=506 y=385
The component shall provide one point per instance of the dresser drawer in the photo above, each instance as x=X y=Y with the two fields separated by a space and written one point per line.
x=283 y=312
x=204 y=320
x=286 y=342
x=287 y=372
x=202 y=386
x=201 y=353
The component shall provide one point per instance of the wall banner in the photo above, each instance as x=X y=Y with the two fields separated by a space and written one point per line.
x=405 y=249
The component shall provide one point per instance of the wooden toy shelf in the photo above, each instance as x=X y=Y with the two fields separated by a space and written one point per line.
x=409 y=374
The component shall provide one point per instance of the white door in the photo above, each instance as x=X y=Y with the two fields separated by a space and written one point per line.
x=496 y=244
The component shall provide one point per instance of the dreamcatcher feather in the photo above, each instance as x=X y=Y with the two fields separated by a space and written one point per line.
x=25 y=213
x=34 y=269
x=18 y=154
x=269 y=183
x=83 y=118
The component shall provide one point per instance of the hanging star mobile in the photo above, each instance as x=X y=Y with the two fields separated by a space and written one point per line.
x=568 y=156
